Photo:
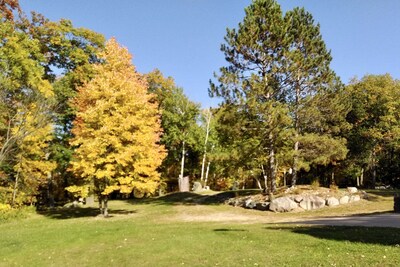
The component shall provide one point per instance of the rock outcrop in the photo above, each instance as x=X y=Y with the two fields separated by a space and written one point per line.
x=282 y=204
x=332 y=201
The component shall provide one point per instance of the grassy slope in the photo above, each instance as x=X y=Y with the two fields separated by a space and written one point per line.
x=148 y=234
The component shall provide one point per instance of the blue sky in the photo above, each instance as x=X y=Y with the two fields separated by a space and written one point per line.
x=182 y=37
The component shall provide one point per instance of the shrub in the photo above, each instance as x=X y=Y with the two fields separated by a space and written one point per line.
x=5 y=207
x=315 y=184
x=7 y=213
x=334 y=188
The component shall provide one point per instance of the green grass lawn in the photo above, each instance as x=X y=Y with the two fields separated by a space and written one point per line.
x=149 y=233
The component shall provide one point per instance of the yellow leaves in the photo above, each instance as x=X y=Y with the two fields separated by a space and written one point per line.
x=124 y=189
x=109 y=189
x=78 y=191
x=117 y=128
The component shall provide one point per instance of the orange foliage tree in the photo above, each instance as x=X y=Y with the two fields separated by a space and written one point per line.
x=117 y=129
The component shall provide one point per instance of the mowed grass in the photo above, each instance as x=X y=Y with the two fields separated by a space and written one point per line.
x=150 y=233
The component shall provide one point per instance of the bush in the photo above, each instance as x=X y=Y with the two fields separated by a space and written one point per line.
x=315 y=184
x=20 y=200
x=4 y=207
x=334 y=188
x=7 y=213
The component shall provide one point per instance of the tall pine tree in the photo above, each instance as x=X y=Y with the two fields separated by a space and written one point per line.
x=279 y=75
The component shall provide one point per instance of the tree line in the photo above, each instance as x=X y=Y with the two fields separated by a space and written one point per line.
x=77 y=118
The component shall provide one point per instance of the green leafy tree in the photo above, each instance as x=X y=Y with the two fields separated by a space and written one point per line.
x=32 y=164
x=117 y=129
x=374 y=137
x=25 y=104
x=71 y=51
x=179 y=117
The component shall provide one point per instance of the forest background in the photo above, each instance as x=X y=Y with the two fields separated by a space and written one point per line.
x=77 y=115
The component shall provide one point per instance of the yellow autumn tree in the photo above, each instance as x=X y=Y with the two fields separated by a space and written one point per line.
x=33 y=167
x=117 y=129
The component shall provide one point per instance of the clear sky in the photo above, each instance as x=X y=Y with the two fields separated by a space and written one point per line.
x=182 y=37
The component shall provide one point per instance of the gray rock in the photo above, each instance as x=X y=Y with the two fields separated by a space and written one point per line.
x=250 y=204
x=89 y=200
x=312 y=203
x=354 y=198
x=197 y=187
x=234 y=202
x=364 y=195
x=74 y=204
x=298 y=198
x=264 y=206
x=332 y=201
x=344 y=200
x=282 y=204
x=352 y=190
x=235 y=186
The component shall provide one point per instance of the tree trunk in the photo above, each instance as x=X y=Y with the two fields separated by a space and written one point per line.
x=180 y=179
x=50 y=195
x=205 y=146
x=203 y=163
x=208 y=169
x=295 y=160
x=100 y=197
x=362 y=177
x=258 y=183
x=284 y=178
x=272 y=163
x=105 y=206
x=265 y=179
x=373 y=169
x=14 y=195
x=297 y=130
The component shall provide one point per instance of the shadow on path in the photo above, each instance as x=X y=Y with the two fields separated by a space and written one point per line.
x=366 y=235
x=380 y=219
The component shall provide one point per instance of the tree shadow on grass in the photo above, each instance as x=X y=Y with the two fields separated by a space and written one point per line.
x=376 y=219
x=384 y=192
x=365 y=235
x=80 y=212
x=190 y=198
x=229 y=230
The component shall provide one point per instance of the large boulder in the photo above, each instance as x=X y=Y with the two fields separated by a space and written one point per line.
x=197 y=187
x=250 y=204
x=352 y=190
x=364 y=195
x=332 y=201
x=282 y=204
x=312 y=203
x=298 y=198
x=264 y=206
x=344 y=200
x=354 y=198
